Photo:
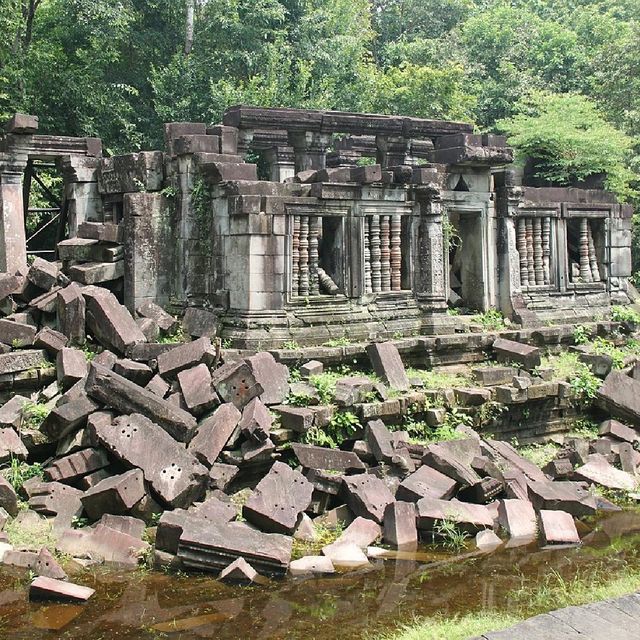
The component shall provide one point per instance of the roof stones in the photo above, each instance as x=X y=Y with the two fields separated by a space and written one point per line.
x=367 y=496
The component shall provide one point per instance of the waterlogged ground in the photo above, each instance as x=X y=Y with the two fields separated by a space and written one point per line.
x=139 y=605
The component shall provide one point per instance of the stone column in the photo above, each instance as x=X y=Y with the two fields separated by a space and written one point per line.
x=429 y=275
x=13 y=241
x=310 y=148
x=81 y=191
x=282 y=163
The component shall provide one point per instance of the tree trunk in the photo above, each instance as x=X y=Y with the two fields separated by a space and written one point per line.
x=188 y=40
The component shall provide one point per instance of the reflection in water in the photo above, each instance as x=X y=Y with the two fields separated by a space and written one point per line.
x=138 y=605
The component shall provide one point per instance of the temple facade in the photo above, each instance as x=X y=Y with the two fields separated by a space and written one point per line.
x=311 y=226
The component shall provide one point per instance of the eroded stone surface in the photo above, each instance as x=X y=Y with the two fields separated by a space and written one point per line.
x=367 y=496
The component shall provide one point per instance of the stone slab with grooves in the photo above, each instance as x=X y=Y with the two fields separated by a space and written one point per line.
x=75 y=465
x=367 y=496
x=213 y=548
x=278 y=499
x=125 y=396
x=174 y=473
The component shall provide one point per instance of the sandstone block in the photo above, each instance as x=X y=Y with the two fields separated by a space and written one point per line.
x=235 y=383
x=115 y=495
x=271 y=376
x=558 y=527
x=71 y=309
x=400 y=530
x=367 y=496
x=387 y=363
x=43 y=588
x=214 y=432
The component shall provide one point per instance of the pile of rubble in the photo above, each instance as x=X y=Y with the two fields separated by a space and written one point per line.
x=179 y=440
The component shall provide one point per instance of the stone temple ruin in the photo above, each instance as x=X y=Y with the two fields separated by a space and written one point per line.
x=307 y=226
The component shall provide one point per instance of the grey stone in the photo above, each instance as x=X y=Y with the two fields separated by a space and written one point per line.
x=11 y=411
x=518 y=518
x=387 y=364
x=137 y=372
x=198 y=393
x=213 y=433
x=71 y=366
x=124 y=524
x=380 y=441
x=558 y=527
x=353 y=390
x=43 y=274
x=272 y=376
x=298 y=419
x=75 y=465
x=312 y=457
x=453 y=458
x=222 y=475
x=184 y=356
x=599 y=471
x=152 y=311
x=367 y=496
x=125 y=396
x=16 y=334
x=8 y=497
x=470 y=516
x=424 y=482
x=67 y=417
x=115 y=495
x=71 y=309
x=400 y=530
x=175 y=475
x=235 y=383
x=51 y=340
x=256 y=421
x=158 y=385
x=278 y=500
x=311 y=368
x=200 y=323
x=509 y=351
x=572 y=497
x=618 y=431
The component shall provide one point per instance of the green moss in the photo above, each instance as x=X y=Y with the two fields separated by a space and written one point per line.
x=540 y=454
x=324 y=536
x=436 y=380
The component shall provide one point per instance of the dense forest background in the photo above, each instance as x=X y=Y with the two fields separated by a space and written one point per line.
x=561 y=77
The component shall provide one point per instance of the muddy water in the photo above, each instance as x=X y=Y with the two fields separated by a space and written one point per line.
x=151 y=605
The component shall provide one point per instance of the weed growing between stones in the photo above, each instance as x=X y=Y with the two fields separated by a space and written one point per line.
x=625 y=314
x=491 y=320
x=448 y=534
x=341 y=427
x=34 y=414
x=324 y=536
x=582 y=334
x=539 y=454
x=178 y=335
x=32 y=535
x=19 y=472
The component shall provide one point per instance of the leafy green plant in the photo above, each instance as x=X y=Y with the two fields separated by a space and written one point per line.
x=625 y=314
x=452 y=239
x=338 y=342
x=299 y=399
x=34 y=414
x=584 y=385
x=491 y=320
x=581 y=334
x=79 y=522
x=602 y=346
x=18 y=472
x=341 y=427
x=177 y=336
x=290 y=345
x=449 y=535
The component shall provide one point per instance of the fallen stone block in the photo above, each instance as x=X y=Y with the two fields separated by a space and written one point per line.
x=22 y=559
x=472 y=397
x=213 y=548
x=504 y=455
x=482 y=492
x=77 y=464
x=367 y=496
x=185 y=356
x=387 y=364
x=149 y=328
x=599 y=471
x=67 y=417
x=298 y=419
x=8 y=497
x=353 y=390
x=572 y=497
x=71 y=310
x=311 y=368
x=619 y=396
x=508 y=351
x=518 y=518
x=198 y=393
x=200 y=323
x=124 y=524
x=55 y=499
x=559 y=469
x=11 y=446
x=272 y=376
x=115 y=495
x=158 y=385
x=239 y=572
x=256 y=421
x=43 y=274
x=46 y=565
x=50 y=340
x=103 y=542
x=311 y=457
x=125 y=396
x=235 y=383
x=278 y=500
x=109 y=321
x=558 y=527
x=213 y=433
x=91 y=480
x=11 y=411
x=619 y=431
x=16 y=334
x=426 y=482
x=493 y=376
x=71 y=366
x=471 y=517
x=137 y=372
x=10 y=284
x=222 y=475
x=95 y=273
x=629 y=458
x=400 y=529
x=23 y=360
x=43 y=588
x=487 y=541
x=380 y=441
x=346 y=556
x=164 y=320
x=170 y=528
x=453 y=458
x=311 y=565
x=174 y=473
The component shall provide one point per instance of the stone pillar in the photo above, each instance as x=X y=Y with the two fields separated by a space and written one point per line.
x=429 y=270
x=84 y=203
x=310 y=148
x=392 y=150
x=13 y=241
x=282 y=163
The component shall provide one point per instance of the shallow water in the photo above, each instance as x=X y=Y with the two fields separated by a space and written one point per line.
x=137 y=604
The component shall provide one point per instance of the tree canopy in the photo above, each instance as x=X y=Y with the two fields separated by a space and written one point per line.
x=560 y=76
